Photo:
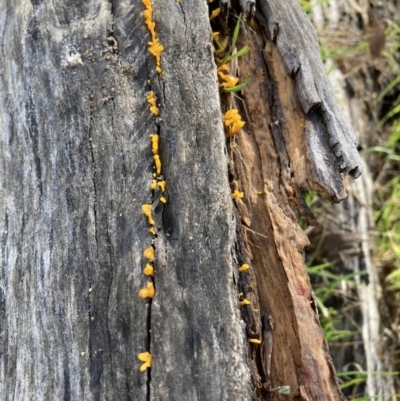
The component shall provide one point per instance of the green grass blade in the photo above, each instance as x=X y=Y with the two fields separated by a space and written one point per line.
x=240 y=53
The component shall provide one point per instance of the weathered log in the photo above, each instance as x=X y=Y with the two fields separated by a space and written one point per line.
x=77 y=166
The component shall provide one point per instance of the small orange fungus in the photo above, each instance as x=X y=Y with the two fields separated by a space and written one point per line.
x=228 y=81
x=148 y=253
x=157 y=162
x=237 y=194
x=152 y=231
x=162 y=184
x=215 y=13
x=152 y=102
x=147 y=211
x=148 y=292
x=147 y=358
x=254 y=341
x=223 y=67
x=153 y=185
x=155 y=47
x=245 y=302
x=233 y=120
x=148 y=270
x=154 y=143
x=163 y=200
x=244 y=267
x=221 y=45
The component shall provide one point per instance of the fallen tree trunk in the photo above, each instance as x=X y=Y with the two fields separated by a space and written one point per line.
x=83 y=183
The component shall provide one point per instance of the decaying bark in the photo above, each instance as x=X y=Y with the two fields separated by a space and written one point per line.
x=296 y=140
x=77 y=166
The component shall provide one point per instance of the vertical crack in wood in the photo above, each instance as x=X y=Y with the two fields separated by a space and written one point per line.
x=94 y=169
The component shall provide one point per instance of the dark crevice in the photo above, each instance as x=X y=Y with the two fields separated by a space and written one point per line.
x=94 y=164
x=153 y=198
x=90 y=138
x=148 y=381
x=112 y=11
x=123 y=167
x=184 y=17
x=110 y=283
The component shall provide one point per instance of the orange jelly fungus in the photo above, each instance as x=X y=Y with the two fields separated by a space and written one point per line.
x=233 y=120
x=244 y=267
x=148 y=253
x=152 y=102
x=154 y=143
x=148 y=270
x=147 y=212
x=157 y=162
x=215 y=13
x=148 y=292
x=237 y=194
x=228 y=81
x=155 y=48
x=162 y=184
x=254 y=341
x=147 y=358
x=221 y=45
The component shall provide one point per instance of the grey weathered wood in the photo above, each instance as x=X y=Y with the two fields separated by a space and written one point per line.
x=332 y=147
x=196 y=331
x=248 y=7
x=76 y=167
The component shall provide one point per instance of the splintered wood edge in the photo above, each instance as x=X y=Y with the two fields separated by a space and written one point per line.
x=328 y=134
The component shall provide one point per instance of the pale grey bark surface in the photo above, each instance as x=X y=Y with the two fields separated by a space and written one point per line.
x=331 y=143
x=76 y=167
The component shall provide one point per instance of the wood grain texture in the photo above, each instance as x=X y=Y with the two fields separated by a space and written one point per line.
x=196 y=328
x=76 y=167
x=264 y=163
x=330 y=141
x=287 y=146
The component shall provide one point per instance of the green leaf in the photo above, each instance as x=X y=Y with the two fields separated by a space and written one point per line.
x=236 y=33
x=240 y=53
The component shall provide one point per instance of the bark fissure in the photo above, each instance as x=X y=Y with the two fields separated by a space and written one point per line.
x=92 y=351
x=94 y=165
